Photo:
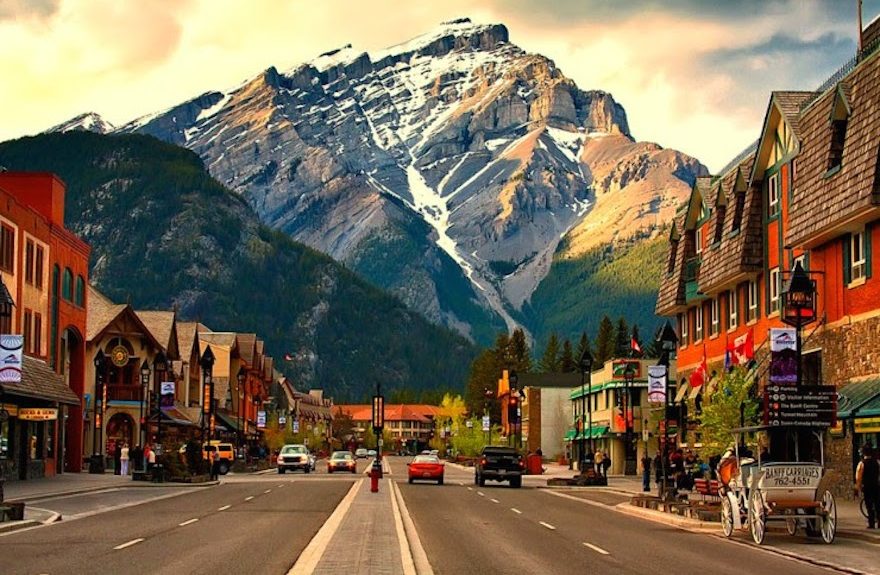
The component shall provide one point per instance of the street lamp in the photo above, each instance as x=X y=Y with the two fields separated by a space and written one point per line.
x=145 y=384
x=628 y=413
x=487 y=395
x=97 y=463
x=207 y=364
x=160 y=366
x=668 y=343
x=586 y=365
x=513 y=401
x=242 y=375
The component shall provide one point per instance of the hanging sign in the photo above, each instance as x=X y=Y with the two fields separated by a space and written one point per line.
x=38 y=413
x=261 y=420
x=10 y=358
x=783 y=356
x=296 y=426
x=166 y=389
x=657 y=384
x=485 y=423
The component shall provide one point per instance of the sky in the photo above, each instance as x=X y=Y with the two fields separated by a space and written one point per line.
x=693 y=75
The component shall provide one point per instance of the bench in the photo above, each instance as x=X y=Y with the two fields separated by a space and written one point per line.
x=707 y=489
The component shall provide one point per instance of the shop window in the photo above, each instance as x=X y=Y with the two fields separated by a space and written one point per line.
x=38 y=267
x=683 y=329
x=732 y=309
x=7 y=248
x=29 y=261
x=775 y=288
x=714 y=317
x=26 y=330
x=698 y=324
x=67 y=284
x=773 y=195
x=811 y=367
x=79 y=295
x=753 y=300
x=6 y=439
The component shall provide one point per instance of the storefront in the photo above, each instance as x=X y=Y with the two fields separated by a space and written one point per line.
x=858 y=414
x=32 y=413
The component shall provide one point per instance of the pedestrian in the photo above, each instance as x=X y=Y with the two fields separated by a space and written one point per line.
x=136 y=455
x=658 y=468
x=606 y=464
x=150 y=455
x=213 y=465
x=597 y=461
x=123 y=459
x=868 y=483
x=117 y=463
x=646 y=472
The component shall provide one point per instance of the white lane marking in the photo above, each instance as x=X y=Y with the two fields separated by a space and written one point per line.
x=416 y=551
x=224 y=508
x=280 y=485
x=481 y=494
x=129 y=543
x=596 y=549
x=461 y=482
x=249 y=497
x=515 y=510
x=268 y=491
x=405 y=551
x=311 y=555
x=547 y=525
x=470 y=488
x=188 y=522
x=494 y=500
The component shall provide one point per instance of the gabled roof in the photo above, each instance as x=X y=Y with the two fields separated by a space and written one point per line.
x=224 y=338
x=246 y=347
x=672 y=289
x=783 y=107
x=187 y=338
x=102 y=313
x=161 y=325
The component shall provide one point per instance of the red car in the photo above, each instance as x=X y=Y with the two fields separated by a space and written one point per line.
x=342 y=461
x=427 y=467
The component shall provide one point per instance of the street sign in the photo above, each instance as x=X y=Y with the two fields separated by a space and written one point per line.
x=486 y=423
x=282 y=421
x=810 y=406
x=469 y=424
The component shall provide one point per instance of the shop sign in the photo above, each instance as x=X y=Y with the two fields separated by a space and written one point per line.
x=38 y=413
x=10 y=358
x=618 y=368
x=868 y=425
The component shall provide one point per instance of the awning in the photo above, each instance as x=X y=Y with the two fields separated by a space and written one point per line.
x=228 y=421
x=859 y=398
x=39 y=381
x=682 y=393
x=176 y=416
x=695 y=391
x=597 y=432
x=570 y=434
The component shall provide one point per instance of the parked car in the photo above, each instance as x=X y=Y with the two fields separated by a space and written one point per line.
x=371 y=453
x=426 y=467
x=360 y=453
x=341 y=461
x=294 y=456
x=499 y=463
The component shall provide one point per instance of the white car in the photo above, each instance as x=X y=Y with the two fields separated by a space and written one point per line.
x=361 y=453
x=293 y=457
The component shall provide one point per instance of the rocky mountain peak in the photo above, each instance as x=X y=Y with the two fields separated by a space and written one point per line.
x=88 y=122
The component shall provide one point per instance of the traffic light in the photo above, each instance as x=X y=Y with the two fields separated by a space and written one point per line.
x=512 y=409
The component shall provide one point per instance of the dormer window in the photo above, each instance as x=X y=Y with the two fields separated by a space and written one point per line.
x=699 y=240
x=720 y=212
x=839 y=117
x=773 y=195
x=739 y=206
x=673 y=250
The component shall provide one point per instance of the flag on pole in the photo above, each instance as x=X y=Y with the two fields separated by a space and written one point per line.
x=729 y=358
x=698 y=377
x=634 y=344
x=288 y=357
x=744 y=348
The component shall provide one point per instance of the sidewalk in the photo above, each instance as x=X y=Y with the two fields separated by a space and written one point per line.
x=850 y=522
x=64 y=484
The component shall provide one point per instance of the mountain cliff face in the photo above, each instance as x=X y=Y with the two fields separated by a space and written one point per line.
x=446 y=169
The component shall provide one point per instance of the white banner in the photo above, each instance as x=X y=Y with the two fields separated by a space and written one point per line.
x=657 y=383
x=261 y=420
x=10 y=358
x=485 y=423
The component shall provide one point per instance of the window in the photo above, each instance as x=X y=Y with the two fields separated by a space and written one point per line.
x=38 y=267
x=714 y=317
x=38 y=334
x=67 y=284
x=79 y=295
x=856 y=256
x=773 y=195
x=7 y=248
x=838 y=137
x=699 y=240
x=683 y=328
x=673 y=249
x=698 y=327
x=775 y=288
x=29 y=261
x=753 y=300
x=732 y=309
x=26 y=330
x=738 y=210
x=811 y=367
x=720 y=212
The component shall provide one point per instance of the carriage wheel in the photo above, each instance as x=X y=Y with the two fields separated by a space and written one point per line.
x=829 y=517
x=727 y=517
x=758 y=517
x=791 y=523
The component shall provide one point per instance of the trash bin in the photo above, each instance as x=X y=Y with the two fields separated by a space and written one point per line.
x=534 y=464
x=96 y=463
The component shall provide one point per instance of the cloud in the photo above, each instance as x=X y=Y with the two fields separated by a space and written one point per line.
x=27 y=9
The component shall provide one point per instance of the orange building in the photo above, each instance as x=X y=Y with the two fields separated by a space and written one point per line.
x=808 y=190
x=45 y=268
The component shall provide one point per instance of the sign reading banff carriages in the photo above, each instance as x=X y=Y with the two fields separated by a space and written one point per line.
x=802 y=406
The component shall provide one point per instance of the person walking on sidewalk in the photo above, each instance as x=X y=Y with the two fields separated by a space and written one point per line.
x=597 y=461
x=868 y=483
x=123 y=459
x=646 y=472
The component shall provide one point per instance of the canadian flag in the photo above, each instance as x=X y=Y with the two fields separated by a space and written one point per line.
x=635 y=346
x=743 y=348
x=288 y=357
x=698 y=377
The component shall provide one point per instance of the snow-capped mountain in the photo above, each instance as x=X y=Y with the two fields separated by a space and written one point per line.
x=447 y=169
x=88 y=122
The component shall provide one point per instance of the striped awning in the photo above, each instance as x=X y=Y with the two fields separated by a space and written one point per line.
x=570 y=434
x=682 y=393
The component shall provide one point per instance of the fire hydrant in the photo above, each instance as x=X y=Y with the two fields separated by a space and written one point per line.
x=375 y=476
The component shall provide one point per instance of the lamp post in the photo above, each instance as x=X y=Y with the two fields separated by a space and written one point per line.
x=487 y=395
x=6 y=305
x=513 y=379
x=207 y=364
x=241 y=377
x=628 y=414
x=145 y=384
x=586 y=365
x=160 y=366
x=668 y=343
x=97 y=463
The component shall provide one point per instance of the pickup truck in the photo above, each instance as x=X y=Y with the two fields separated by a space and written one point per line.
x=499 y=463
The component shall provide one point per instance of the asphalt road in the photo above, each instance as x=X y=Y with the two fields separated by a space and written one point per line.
x=240 y=527
x=499 y=530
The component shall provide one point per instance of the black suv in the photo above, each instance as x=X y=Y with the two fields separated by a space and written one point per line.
x=499 y=463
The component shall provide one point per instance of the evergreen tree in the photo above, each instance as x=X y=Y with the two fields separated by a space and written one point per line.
x=567 y=362
x=654 y=348
x=621 y=341
x=605 y=341
x=485 y=372
x=550 y=361
x=502 y=350
x=583 y=345
x=519 y=354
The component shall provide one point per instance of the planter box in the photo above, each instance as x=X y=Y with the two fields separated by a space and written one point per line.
x=190 y=479
x=14 y=511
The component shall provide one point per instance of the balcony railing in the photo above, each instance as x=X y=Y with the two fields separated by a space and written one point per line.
x=124 y=392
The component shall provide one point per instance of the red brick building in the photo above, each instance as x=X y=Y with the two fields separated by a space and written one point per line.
x=45 y=268
x=808 y=190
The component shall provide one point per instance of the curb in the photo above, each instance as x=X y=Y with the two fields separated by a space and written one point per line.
x=138 y=484
x=667 y=518
x=9 y=526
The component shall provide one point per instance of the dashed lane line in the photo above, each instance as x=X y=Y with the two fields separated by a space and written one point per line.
x=547 y=525
x=249 y=497
x=596 y=548
x=470 y=488
x=268 y=491
x=481 y=494
x=224 y=508
x=494 y=500
x=129 y=543
x=515 y=510
x=188 y=522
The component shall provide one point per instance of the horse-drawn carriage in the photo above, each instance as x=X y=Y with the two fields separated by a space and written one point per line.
x=755 y=491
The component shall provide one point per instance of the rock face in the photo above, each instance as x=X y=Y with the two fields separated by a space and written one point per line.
x=88 y=122
x=447 y=168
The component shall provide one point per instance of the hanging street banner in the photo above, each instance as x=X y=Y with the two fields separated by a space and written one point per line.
x=485 y=423
x=810 y=406
x=261 y=420
x=657 y=384
x=166 y=391
x=10 y=358
x=282 y=422
x=783 y=356
x=296 y=426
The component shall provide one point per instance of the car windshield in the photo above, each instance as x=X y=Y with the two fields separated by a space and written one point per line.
x=426 y=459
x=341 y=455
x=293 y=449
